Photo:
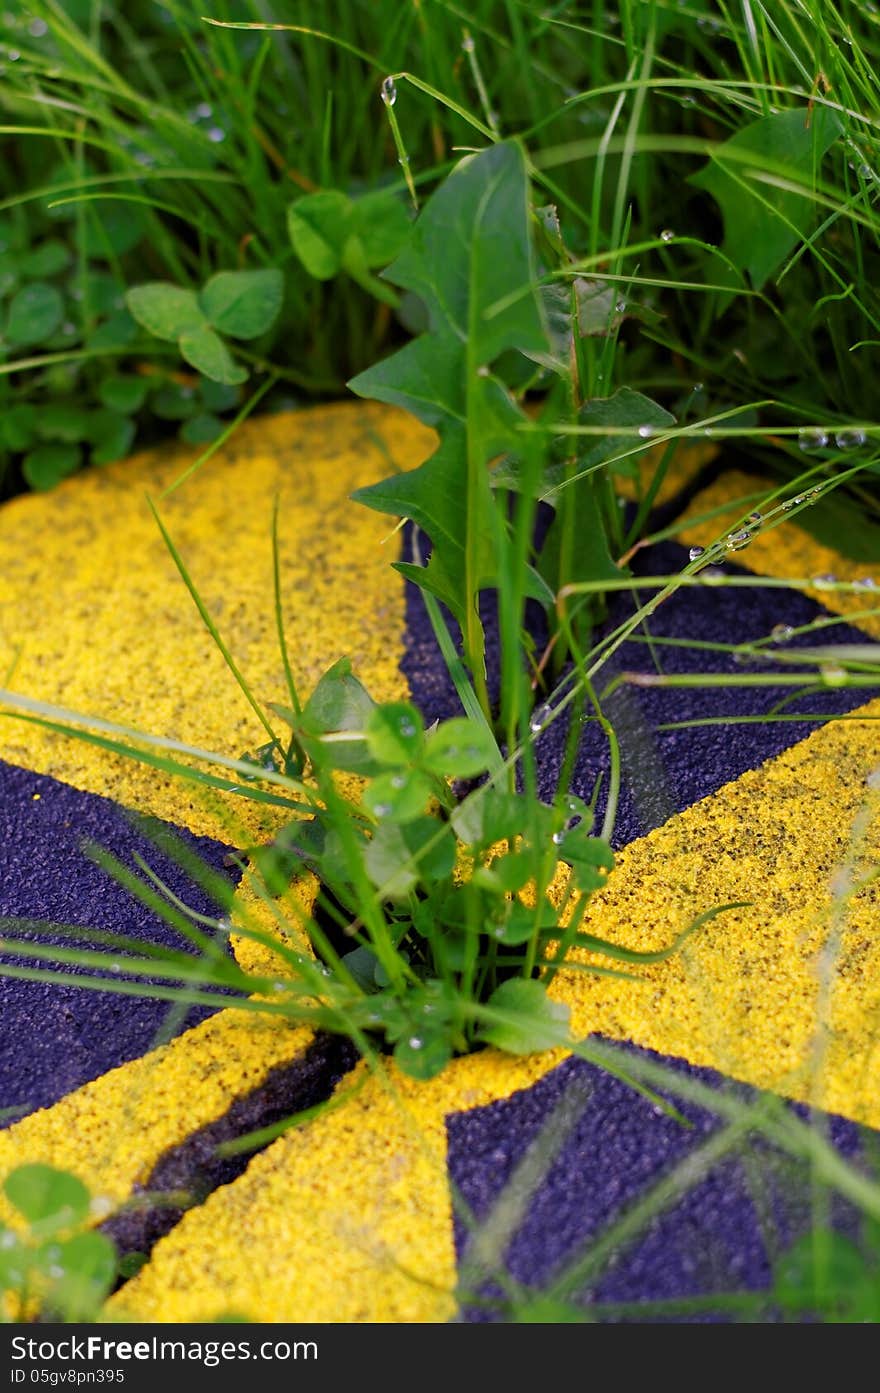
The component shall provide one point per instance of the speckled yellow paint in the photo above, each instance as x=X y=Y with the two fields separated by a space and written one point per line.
x=91 y=597
x=111 y=1132
x=350 y=1219
x=780 y=549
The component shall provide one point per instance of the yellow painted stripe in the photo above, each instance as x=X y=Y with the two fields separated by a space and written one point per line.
x=90 y=596
x=347 y=1219
x=112 y=1132
x=350 y=1219
x=783 y=549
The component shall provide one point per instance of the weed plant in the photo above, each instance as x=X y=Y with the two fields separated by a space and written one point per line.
x=665 y=232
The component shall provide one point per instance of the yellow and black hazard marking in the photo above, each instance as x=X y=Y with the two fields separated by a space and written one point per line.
x=365 y=1212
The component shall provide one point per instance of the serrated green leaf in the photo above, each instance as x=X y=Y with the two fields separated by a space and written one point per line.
x=204 y=349
x=166 y=310
x=532 y=1021
x=763 y=221
x=243 y=304
x=35 y=313
x=395 y=732
x=469 y=260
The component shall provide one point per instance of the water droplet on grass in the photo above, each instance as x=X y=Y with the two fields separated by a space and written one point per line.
x=823 y=582
x=812 y=438
x=415 y=1042
x=398 y=781
x=780 y=632
x=696 y=552
x=540 y=717
x=866 y=583
x=756 y=518
x=467 y=44
x=37 y=28
x=667 y=235
x=737 y=541
x=849 y=439
x=558 y=838
x=216 y=134
x=832 y=675
x=383 y=809
x=646 y=432
x=389 y=91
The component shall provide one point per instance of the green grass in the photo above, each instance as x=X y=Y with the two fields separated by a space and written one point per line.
x=687 y=193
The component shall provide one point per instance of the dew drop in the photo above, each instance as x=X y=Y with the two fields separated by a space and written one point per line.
x=696 y=552
x=558 y=838
x=398 y=781
x=823 y=582
x=832 y=675
x=216 y=134
x=540 y=717
x=866 y=583
x=646 y=432
x=382 y=809
x=56 y=1272
x=467 y=43
x=713 y=575
x=780 y=632
x=849 y=439
x=203 y=111
x=620 y=306
x=812 y=438
x=37 y=28
x=756 y=518
x=667 y=235
x=737 y=541
x=415 y=1042
x=389 y=91
x=407 y=729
